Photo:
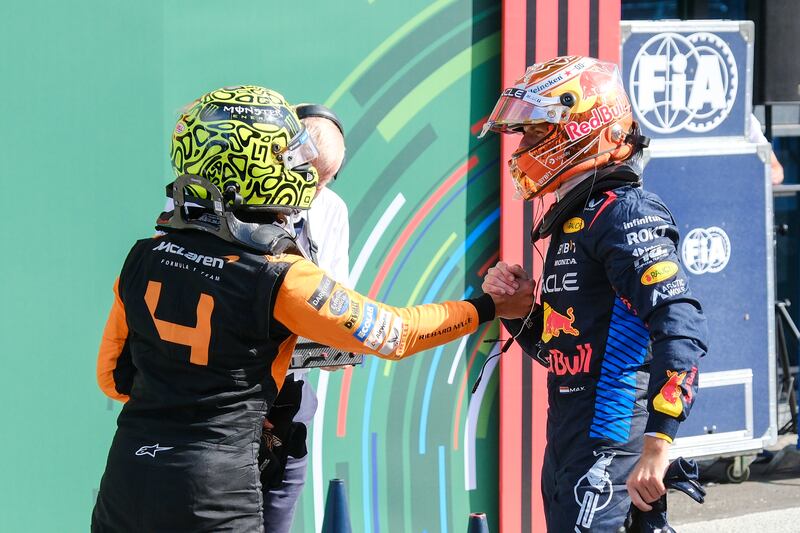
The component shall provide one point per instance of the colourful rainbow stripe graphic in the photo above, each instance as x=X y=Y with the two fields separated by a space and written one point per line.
x=416 y=450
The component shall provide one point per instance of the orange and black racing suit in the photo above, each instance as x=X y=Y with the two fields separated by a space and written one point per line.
x=197 y=345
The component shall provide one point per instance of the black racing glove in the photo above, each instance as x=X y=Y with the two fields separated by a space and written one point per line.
x=286 y=436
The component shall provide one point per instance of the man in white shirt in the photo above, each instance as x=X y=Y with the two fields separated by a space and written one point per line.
x=323 y=231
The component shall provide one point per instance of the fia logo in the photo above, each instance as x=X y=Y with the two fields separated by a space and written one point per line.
x=706 y=250
x=683 y=82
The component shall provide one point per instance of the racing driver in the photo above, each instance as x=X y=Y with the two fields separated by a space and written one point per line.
x=205 y=318
x=617 y=326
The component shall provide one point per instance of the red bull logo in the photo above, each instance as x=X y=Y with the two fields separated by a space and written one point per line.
x=599 y=117
x=668 y=400
x=594 y=78
x=688 y=384
x=555 y=323
x=573 y=365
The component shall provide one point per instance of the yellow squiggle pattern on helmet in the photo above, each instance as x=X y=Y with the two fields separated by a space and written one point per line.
x=234 y=136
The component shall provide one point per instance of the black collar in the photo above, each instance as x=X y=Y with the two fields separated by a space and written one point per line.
x=606 y=180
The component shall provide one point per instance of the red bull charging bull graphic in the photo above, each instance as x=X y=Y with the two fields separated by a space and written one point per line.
x=668 y=401
x=555 y=323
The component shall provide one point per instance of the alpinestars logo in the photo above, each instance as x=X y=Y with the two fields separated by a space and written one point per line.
x=152 y=450
x=200 y=259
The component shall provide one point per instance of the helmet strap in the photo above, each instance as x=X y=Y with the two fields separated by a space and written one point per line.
x=213 y=215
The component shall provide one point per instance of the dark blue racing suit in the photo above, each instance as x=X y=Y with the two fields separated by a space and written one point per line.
x=623 y=335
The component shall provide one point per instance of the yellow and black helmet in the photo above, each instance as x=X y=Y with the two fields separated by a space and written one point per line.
x=248 y=142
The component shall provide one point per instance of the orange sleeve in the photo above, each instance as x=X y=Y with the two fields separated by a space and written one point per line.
x=311 y=304
x=114 y=336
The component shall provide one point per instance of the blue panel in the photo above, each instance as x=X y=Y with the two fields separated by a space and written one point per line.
x=626 y=347
x=687 y=84
x=707 y=417
x=719 y=204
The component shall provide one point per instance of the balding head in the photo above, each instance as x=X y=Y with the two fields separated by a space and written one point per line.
x=330 y=144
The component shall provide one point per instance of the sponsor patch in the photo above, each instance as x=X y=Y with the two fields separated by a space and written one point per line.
x=573 y=225
x=566 y=248
x=393 y=337
x=378 y=335
x=367 y=323
x=651 y=255
x=646 y=234
x=673 y=288
x=564 y=262
x=593 y=491
x=648 y=219
x=339 y=303
x=321 y=293
x=580 y=363
x=355 y=314
x=569 y=390
x=555 y=323
x=659 y=272
x=200 y=259
x=567 y=282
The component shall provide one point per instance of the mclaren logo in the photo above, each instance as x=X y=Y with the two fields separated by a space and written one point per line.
x=200 y=259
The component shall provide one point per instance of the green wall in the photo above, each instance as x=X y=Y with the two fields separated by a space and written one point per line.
x=90 y=91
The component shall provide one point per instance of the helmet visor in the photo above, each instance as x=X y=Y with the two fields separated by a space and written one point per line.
x=517 y=107
x=301 y=150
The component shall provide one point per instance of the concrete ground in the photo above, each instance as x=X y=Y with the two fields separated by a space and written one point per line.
x=769 y=502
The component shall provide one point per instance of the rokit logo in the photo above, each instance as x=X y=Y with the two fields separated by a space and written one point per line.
x=646 y=235
x=683 y=82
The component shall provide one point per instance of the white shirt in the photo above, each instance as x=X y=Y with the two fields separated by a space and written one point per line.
x=328 y=225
